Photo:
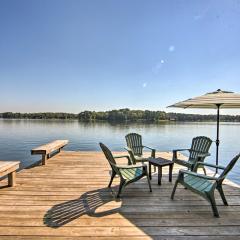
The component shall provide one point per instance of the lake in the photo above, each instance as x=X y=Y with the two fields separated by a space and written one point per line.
x=18 y=137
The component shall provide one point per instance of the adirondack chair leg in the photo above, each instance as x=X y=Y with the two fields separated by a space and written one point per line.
x=213 y=205
x=120 y=188
x=220 y=190
x=153 y=154
x=174 y=189
x=129 y=161
x=192 y=168
x=112 y=177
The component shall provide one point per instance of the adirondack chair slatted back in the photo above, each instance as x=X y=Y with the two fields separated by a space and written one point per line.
x=128 y=174
x=134 y=141
x=229 y=167
x=200 y=144
x=109 y=157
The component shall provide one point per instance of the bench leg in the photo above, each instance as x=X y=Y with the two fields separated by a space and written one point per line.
x=44 y=159
x=12 y=179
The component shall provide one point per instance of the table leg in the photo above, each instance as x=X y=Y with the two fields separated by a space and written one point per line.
x=170 y=172
x=150 y=172
x=159 y=175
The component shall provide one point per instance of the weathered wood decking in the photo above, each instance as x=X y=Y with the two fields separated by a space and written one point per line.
x=68 y=199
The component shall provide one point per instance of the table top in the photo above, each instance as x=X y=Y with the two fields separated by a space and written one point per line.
x=160 y=161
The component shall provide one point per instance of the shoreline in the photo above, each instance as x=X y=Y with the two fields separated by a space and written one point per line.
x=131 y=122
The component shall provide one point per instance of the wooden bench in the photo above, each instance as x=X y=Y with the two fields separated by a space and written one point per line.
x=47 y=149
x=9 y=168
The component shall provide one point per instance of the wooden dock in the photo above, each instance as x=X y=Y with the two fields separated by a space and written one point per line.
x=68 y=199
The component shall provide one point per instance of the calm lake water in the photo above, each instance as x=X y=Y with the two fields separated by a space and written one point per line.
x=18 y=137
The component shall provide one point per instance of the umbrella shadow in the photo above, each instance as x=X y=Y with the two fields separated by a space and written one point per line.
x=63 y=213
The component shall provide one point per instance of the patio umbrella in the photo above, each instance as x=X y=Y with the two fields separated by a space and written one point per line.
x=214 y=100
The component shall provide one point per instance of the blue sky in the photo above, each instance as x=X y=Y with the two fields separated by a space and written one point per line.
x=75 y=55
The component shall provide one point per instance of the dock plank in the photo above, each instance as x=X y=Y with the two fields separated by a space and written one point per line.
x=66 y=199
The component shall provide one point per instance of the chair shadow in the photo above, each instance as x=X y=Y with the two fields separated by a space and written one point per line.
x=90 y=204
x=66 y=212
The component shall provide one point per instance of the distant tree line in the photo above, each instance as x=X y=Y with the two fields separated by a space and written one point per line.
x=45 y=115
x=124 y=115
x=200 y=118
x=121 y=115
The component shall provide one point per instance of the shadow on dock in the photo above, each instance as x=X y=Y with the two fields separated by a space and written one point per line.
x=87 y=204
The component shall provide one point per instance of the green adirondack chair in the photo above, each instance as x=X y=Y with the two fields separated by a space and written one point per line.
x=127 y=173
x=197 y=153
x=205 y=185
x=135 y=148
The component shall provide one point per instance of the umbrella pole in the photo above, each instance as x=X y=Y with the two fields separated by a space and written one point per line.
x=217 y=140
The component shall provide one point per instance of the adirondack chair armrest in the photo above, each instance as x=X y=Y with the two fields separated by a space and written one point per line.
x=128 y=149
x=153 y=154
x=121 y=156
x=175 y=151
x=124 y=156
x=204 y=155
x=198 y=175
x=183 y=149
x=149 y=148
x=209 y=165
x=137 y=165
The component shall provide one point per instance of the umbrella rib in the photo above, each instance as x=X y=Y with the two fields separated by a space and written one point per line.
x=188 y=106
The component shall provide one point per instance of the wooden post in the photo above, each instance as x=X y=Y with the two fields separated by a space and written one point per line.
x=44 y=159
x=12 y=179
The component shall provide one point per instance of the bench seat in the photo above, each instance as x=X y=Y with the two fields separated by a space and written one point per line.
x=46 y=149
x=9 y=168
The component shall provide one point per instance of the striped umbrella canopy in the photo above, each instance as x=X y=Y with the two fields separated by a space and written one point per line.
x=213 y=100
